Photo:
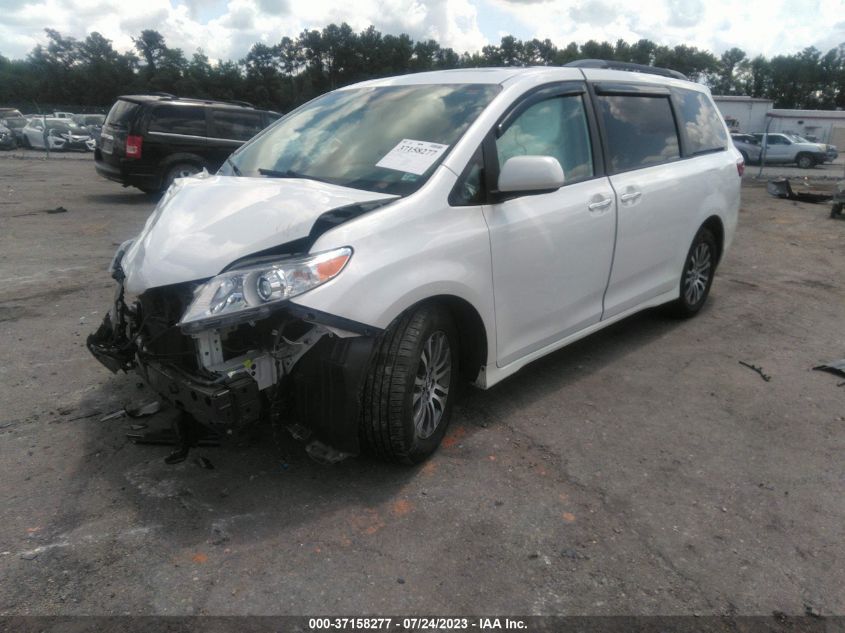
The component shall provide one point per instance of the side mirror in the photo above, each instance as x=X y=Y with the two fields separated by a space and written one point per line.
x=530 y=173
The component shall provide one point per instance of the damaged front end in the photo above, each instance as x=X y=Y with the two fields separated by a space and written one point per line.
x=231 y=353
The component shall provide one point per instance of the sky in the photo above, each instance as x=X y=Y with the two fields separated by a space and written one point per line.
x=225 y=29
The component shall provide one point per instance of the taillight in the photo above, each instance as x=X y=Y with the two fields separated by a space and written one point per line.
x=133 y=146
x=740 y=167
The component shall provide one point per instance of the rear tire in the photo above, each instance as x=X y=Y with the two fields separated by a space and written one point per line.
x=180 y=170
x=697 y=275
x=411 y=385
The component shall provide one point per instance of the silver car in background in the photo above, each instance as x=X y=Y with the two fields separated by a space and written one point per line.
x=748 y=146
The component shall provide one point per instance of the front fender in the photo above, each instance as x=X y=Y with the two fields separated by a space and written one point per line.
x=407 y=252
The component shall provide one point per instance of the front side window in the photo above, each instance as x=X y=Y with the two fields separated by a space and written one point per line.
x=178 y=120
x=386 y=138
x=640 y=130
x=555 y=127
x=702 y=125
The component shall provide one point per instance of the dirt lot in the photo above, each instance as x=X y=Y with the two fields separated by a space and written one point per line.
x=642 y=470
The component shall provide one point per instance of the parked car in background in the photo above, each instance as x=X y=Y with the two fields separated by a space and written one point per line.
x=9 y=113
x=748 y=146
x=830 y=150
x=7 y=138
x=16 y=124
x=63 y=115
x=148 y=141
x=57 y=135
x=348 y=267
x=788 y=148
x=91 y=122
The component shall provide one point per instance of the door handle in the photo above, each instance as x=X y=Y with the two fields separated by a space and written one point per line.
x=627 y=197
x=601 y=204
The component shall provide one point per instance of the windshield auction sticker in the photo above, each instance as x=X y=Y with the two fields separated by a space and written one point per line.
x=412 y=157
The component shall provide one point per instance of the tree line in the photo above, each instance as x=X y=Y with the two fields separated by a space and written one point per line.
x=91 y=74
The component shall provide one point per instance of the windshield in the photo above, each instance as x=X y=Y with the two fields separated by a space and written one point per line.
x=64 y=128
x=387 y=139
x=797 y=139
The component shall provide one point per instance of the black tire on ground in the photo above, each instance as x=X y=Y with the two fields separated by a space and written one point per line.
x=805 y=161
x=697 y=275
x=149 y=191
x=25 y=142
x=411 y=386
x=744 y=156
x=179 y=170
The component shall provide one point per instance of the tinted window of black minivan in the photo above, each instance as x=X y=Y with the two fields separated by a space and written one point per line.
x=640 y=131
x=120 y=113
x=701 y=123
x=236 y=124
x=178 y=120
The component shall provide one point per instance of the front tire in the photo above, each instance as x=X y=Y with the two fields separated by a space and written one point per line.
x=697 y=276
x=409 y=390
x=805 y=161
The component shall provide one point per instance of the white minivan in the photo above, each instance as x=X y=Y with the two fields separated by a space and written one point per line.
x=352 y=263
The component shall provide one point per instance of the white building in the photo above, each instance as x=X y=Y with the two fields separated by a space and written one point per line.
x=748 y=112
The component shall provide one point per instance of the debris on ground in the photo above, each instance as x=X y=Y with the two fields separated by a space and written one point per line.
x=50 y=211
x=838 y=201
x=836 y=367
x=143 y=410
x=113 y=415
x=134 y=411
x=759 y=370
x=218 y=535
x=204 y=462
x=84 y=416
x=781 y=188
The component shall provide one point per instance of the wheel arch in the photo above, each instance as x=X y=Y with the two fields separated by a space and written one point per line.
x=472 y=344
x=715 y=225
x=181 y=157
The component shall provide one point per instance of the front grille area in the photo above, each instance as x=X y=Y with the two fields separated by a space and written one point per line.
x=160 y=311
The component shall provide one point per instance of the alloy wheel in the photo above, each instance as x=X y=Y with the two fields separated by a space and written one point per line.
x=697 y=274
x=431 y=385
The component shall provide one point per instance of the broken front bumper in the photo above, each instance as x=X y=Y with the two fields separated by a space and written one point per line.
x=312 y=380
x=233 y=403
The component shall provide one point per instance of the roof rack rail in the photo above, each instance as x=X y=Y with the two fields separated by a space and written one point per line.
x=245 y=104
x=629 y=66
x=163 y=94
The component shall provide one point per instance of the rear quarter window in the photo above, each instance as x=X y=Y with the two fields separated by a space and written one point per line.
x=178 y=120
x=237 y=125
x=640 y=130
x=701 y=122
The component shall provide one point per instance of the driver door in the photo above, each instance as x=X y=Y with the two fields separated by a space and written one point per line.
x=552 y=251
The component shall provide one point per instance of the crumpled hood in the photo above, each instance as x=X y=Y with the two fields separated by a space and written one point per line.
x=204 y=223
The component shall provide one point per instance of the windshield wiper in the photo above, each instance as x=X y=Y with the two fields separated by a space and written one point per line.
x=288 y=173
x=233 y=166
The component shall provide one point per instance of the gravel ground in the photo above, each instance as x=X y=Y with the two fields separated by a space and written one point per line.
x=643 y=470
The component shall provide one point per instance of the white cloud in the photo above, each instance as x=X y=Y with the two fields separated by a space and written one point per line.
x=766 y=27
x=225 y=29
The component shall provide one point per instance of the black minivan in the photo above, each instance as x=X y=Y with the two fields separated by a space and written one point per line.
x=148 y=141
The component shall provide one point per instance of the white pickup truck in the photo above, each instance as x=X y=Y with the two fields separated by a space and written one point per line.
x=790 y=148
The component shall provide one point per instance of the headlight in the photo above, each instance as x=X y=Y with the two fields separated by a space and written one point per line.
x=248 y=294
